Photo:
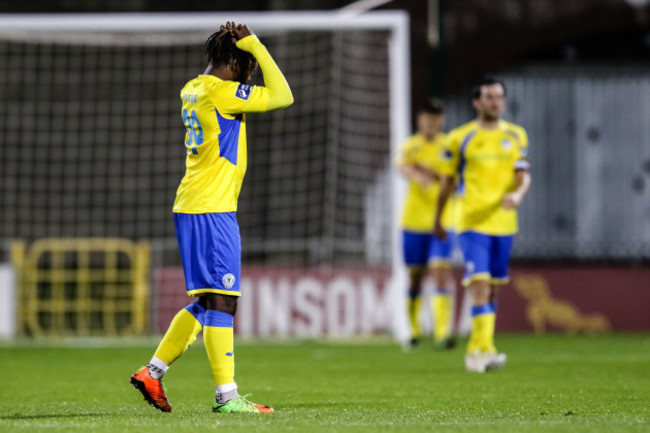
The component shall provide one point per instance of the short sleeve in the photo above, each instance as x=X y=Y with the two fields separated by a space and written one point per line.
x=232 y=97
x=450 y=155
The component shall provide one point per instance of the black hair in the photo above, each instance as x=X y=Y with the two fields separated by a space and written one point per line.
x=221 y=50
x=434 y=106
x=486 y=81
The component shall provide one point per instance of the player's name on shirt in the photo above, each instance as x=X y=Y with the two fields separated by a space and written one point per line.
x=189 y=97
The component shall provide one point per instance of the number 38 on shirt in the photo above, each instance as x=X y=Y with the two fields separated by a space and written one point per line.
x=194 y=135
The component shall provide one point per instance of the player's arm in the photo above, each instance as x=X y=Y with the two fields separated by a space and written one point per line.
x=446 y=188
x=522 y=176
x=522 y=184
x=417 y=173
x=407 y=164
x=448 y=169
x=276 y=87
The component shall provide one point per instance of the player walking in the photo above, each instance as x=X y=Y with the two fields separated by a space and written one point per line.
x=488 y=157
x=205 y=209
x=420 y=163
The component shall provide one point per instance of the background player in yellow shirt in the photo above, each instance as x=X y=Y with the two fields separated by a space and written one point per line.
x=420 y=163
x=213 y=110
x=488 y=157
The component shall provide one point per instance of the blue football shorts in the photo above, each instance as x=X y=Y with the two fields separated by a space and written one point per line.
x=486 y=257
x=210 y=247
x=425 y=249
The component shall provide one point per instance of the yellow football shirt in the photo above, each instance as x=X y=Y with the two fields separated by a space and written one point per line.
x=484 y=163
x=420 y=204
x=213 y=113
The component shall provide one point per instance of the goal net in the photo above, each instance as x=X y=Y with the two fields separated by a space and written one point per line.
x=92 y=147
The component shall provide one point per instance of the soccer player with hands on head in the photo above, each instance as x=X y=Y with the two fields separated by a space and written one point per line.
x=213 y=111
x=488 y=160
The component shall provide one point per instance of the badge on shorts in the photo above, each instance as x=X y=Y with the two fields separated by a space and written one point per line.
x=228 y=281
x=470 y=267
x=243 y=91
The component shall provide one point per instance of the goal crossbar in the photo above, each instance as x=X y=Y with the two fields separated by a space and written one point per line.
x=397 y=21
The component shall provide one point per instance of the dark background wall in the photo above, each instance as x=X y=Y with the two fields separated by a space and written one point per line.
x=477 y=36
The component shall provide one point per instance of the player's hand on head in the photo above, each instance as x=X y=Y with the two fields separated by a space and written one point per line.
x=238 y=31
x=242 y=31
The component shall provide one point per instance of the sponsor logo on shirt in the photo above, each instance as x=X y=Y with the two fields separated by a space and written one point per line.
x=243 y=91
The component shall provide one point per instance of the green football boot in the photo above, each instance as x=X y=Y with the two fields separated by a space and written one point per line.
x=241 y=404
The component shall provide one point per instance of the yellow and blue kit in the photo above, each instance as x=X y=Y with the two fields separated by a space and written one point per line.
x=213 y=113
x=420 y=246
x=484 y=161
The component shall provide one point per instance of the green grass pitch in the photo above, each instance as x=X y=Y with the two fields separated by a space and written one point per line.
x=551 y=383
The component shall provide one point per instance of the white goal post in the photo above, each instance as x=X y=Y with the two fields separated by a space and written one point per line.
x=162 y=28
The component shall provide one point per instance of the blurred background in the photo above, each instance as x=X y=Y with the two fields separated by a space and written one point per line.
x=91 y=153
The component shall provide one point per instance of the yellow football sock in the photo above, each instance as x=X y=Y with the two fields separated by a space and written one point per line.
x=482 y=337
x=474 y=343
x=488 y=333
x=219 y=343
x=180 y=335
x=414 y=304
x=442 y=305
